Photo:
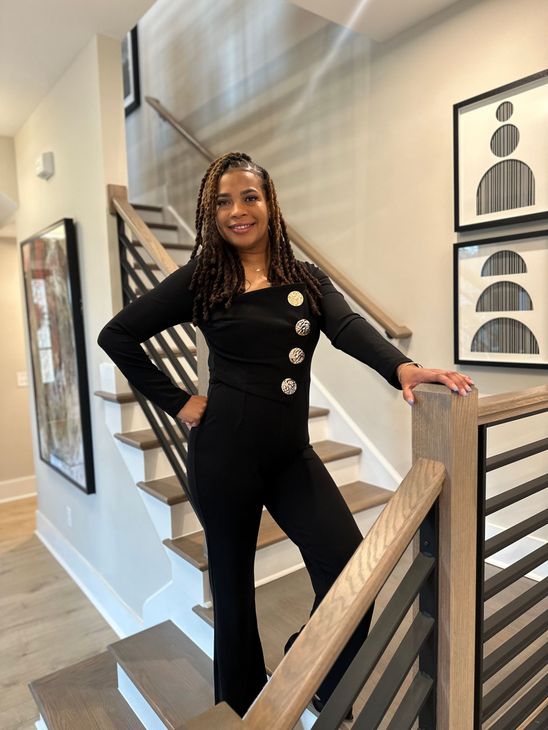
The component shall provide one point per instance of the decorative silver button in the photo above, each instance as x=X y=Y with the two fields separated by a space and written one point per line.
x=289 y=386
x=295 y=298
x=296 y=355
x=302 y=327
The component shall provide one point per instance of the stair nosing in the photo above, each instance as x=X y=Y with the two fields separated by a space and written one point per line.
x=201 y=562
x=165 y=709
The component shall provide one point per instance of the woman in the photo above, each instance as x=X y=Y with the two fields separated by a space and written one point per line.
x=261 y=312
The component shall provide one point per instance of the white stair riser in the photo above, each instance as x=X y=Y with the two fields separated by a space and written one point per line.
x=166 y=235
x=137 y=702
x=188 y=587
x=144 y=465
x=170 y=521
x=111 y=379
x=344 y=471
x=154 y=463
x=318 y=428
x=124 y=417
x=153 y=216
x=284 y=557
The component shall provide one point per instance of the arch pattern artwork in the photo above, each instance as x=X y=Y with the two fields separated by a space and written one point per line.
x=504 y=262
x=500 y=146
x=507 y=335
x=501 y=300
x=508 y=184
x=504 y=296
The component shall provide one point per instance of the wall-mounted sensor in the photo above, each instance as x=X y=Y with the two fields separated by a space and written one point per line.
x=44 y=165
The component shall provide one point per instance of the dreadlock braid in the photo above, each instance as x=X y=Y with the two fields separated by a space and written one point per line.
x=219 y=273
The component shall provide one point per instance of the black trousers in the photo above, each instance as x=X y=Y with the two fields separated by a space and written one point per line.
x=247 y=452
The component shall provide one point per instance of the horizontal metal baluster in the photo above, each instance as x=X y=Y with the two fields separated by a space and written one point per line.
x=388 y=685
x=507 y=576
x=412 y=702
x=497 y=621
x=379 y=637
x=498 y=658
x=507 y=687
x=512 y=534
x=510 y=496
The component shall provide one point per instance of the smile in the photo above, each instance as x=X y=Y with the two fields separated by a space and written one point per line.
x=241 y=228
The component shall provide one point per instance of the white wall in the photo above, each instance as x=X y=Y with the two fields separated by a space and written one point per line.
x=81 y=120
x=358 y=138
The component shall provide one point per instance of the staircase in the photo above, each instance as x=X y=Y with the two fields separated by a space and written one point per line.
x=162 y=676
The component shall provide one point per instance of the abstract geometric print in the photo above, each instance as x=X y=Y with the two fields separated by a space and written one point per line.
x=510 y=183
x=501 y=154
x=501 y=302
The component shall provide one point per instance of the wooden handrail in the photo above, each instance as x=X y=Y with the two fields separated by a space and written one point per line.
x=516 y=404
x=285 y=696
x=391 y=328
x=118 y=203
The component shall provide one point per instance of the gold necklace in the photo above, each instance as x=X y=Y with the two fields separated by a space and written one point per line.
x=261 y=268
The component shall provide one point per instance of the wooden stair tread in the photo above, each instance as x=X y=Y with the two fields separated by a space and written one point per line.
x=145 y=439
x=167 y=490
x=358 y=495
x=163 y=226
x=152 y=208
x=332 y=450
x=120 y=398
x=173 y=674
x=317 y=411
x=84 y=696
x=283 y=606
x=176 y=246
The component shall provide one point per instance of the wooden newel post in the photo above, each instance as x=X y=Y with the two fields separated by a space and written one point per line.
x=445 y=427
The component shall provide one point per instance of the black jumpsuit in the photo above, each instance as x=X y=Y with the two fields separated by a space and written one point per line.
x=252 y=447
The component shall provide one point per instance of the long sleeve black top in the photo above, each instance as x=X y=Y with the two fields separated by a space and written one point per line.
x=249 y=343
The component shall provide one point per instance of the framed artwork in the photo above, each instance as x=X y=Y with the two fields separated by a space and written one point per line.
x=130 y=72
x=56 y=335
x=501 y=301
x=500 y=145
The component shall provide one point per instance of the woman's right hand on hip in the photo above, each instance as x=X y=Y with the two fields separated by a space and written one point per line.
x=193 y=410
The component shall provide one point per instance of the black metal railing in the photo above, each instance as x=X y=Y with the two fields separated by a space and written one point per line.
x=487 y=665
x=420 y=582
x=172 y=434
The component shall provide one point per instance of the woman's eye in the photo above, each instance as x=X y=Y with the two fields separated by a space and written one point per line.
x=252 y=197
x=222 y=202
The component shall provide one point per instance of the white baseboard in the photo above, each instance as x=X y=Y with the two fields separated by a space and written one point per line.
x=120 y=617
x=504 y=558
x=19 y=488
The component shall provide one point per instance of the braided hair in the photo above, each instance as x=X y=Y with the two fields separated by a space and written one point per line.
x=219 y=274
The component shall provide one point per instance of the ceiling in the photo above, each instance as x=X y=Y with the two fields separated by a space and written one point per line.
x=378 y=20
x=40 y=38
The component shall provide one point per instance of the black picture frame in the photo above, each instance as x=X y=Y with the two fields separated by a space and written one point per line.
x=55 y=323
x=515 y=189
x=130 y=72
x=493 y=277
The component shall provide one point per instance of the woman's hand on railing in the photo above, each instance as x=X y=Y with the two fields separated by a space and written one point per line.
x=193 y=410
x=410 y=375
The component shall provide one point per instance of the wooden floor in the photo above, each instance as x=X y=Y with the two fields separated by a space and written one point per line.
x=46 y=622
